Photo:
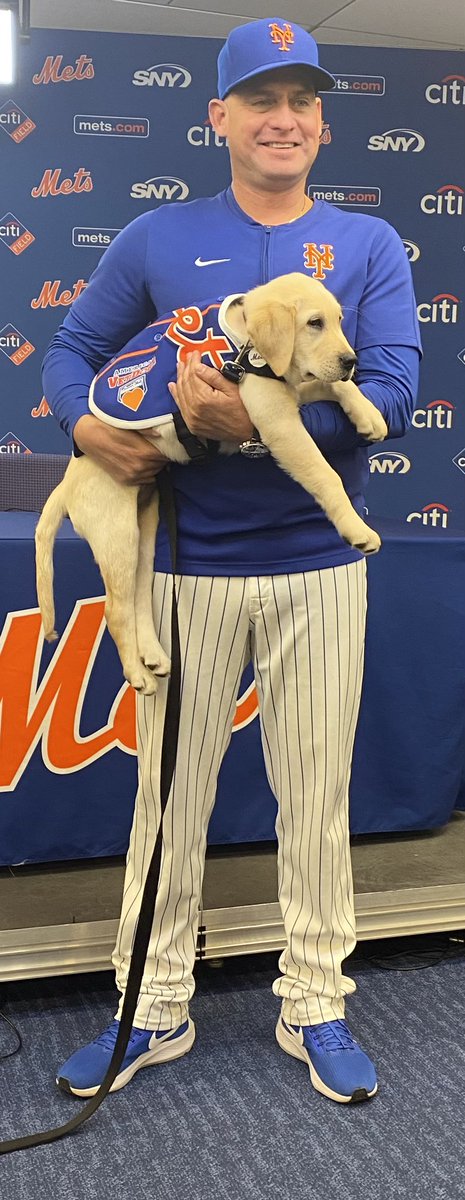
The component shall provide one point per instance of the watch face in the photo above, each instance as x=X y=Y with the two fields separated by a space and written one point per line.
x=254 y=449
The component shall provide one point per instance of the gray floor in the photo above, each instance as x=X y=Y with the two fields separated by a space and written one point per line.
x=424 y=872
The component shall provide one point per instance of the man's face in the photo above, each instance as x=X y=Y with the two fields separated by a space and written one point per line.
x=273 y=126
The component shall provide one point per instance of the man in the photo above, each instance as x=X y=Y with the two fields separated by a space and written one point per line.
x=263 y=574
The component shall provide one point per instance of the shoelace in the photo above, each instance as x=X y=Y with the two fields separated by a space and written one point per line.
x=108 y=1038
x=333 y=1035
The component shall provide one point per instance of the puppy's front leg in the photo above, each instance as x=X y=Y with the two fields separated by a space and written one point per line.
x=272 y=408
x=361 y=412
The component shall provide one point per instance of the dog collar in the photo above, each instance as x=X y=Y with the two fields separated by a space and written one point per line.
x=248 y=362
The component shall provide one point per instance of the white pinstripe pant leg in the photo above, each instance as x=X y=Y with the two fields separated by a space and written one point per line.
x=215 y=646
x=308 y=655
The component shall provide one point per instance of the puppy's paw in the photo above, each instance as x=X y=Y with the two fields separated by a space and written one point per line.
x=159 y=664
x=373 y=426
x=142 y=680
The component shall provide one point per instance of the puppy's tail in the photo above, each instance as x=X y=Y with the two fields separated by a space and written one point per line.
x=52 y=515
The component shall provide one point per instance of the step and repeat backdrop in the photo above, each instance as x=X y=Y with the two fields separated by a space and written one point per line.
x=101 y=127
x=98 y=129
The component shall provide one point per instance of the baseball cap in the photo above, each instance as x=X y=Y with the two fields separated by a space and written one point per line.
x=263 y=46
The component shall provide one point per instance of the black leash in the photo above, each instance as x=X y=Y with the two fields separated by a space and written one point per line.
x=145 y=921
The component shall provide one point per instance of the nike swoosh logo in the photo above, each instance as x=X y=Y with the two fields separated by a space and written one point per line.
x=199 y=262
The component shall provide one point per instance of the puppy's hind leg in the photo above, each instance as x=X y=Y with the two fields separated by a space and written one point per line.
x=116 y=550
x=150 y=650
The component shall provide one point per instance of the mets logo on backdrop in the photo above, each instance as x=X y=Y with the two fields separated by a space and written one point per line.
x=282 y=37
x=318 y=259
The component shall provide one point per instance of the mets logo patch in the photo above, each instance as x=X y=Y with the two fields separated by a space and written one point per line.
x=318 y=259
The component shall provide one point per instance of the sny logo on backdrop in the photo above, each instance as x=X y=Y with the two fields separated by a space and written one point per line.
x=386 y=462
x=342 y=193
x=431 y=514
x=14 y=234
x=447 y=199
x=412 y=250
x=50 y=72
x=443 y=308
x=10 y=444
x=397 y=139
x=163 y=75
x=95 y=125
x=204 y=135
x=438 y=414
x=48 y=297
x=14 y=121
x=451 y=90
x=16 y=347
x=160 y=187
x=359 y=85
x=50 y=185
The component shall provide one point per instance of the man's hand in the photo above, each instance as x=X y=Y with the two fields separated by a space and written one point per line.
x=210 y=404
x=128 y=457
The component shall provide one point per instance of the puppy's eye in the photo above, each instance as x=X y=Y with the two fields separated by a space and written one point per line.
x=315 y=323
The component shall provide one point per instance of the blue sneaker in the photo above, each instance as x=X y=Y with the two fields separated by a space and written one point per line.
x=338 y=1067
x=82 y=1074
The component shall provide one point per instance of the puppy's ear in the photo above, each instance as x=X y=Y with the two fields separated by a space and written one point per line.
x=271 y=328
x=235 y=317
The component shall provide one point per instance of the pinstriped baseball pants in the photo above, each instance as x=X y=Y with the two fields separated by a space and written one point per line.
x=305 y=636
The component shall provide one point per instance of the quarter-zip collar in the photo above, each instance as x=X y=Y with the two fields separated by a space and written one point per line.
x=232 y=204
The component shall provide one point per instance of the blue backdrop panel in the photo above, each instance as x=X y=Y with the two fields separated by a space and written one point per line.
x=102 y=127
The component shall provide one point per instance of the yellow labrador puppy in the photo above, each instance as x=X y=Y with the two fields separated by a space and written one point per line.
x=294 y=324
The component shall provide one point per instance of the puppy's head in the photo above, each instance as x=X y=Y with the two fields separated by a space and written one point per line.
x=268 y=323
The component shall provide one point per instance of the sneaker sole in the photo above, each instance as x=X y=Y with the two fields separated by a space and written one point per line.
x=166 y=1052
x=287 y=1043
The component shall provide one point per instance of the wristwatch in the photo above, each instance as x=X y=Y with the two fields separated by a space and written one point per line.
x=253 y=447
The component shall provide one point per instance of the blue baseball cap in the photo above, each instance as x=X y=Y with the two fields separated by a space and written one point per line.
x=264 y=46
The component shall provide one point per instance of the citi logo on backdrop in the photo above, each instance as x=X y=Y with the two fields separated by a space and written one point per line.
x=50 y=184
x=168 y=75
x=450 y=90
x=443 y=308
x=14 y=234
x=438 y=414
x=15 y=122
x=14 y=345
x=52 y=71
x=397 y=139
x=204 y=135
x=434 y=514
x=160 y=187
x=447 y=200
x=11 y=444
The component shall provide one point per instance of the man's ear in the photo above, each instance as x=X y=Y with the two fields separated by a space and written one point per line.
x=217 y=112
x=271 y=328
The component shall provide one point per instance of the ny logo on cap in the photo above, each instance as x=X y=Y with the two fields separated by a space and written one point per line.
x=284 y=36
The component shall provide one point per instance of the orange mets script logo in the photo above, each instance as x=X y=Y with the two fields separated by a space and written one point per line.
x=188 y=321
x=283 y=37
x=49 y=713
x=318 y=259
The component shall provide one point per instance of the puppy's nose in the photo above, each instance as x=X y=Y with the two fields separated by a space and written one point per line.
x=348 y=361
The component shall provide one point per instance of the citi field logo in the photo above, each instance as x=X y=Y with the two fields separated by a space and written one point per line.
x=438 y=414
x=325 y=135
x=51 y=297
x=14 y=121
x=14 y=345
x=14 y=234
x=204 y=135
x=41 y=410
x=168 y=75
x=52 y=71
x=387 y=463
x=360 y=85
x=160 y=187
x=397 y=140
x=435 y=515
x=412 y=250
x=51 y=185
x=10 y=444
x=448 y=200
x=461 y=356
x=459 y=461
x=450 y=90
x=443 y=309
